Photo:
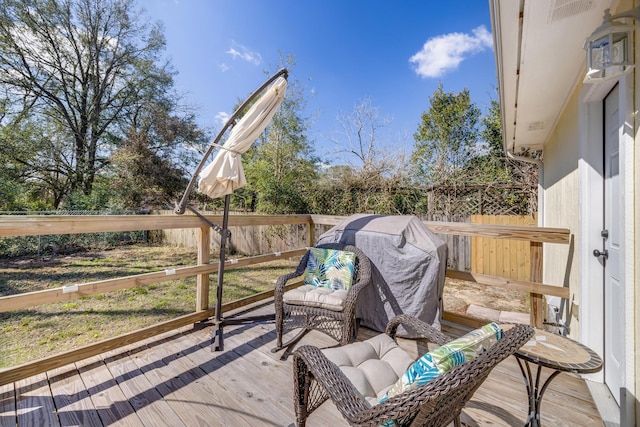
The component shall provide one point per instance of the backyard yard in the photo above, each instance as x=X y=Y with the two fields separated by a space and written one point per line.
x=33 y=333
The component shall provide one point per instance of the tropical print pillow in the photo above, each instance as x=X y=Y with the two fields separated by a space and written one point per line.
x=445 y=358
x=330 y=268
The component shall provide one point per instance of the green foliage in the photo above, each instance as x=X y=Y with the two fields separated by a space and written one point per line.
x=101 y=198
x=144 y=178
x=343 y=191
x=20 y=145
x=491 y=167
x=492 y=130
x=97 y=74
x=446 y=138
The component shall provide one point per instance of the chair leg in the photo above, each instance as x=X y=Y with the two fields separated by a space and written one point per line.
x=289 y=344
x=456 y=421
x=301 y=392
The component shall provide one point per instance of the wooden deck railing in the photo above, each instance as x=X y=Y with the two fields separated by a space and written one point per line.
x=33 y=226
x=536 y=236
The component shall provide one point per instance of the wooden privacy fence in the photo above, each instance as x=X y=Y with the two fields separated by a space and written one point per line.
x=55 y=225
x=248 y=240
x=482 y=255
x=260 y=239
x=502 y=257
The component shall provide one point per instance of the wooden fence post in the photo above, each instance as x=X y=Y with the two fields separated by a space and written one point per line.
x=202 y=280
x=536 y=300
x=312 y=228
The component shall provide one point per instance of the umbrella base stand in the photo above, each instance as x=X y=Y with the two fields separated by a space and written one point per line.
x=217 y=338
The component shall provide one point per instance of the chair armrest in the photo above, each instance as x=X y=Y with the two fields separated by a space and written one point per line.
x=331 y=379
x=422 y=329
x=352 y=297
x=282 y=280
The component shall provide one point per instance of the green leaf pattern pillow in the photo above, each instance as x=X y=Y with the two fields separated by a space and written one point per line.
x=330 y=268
x=445 y=358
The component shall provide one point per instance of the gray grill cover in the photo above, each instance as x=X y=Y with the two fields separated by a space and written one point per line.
x=408 y=268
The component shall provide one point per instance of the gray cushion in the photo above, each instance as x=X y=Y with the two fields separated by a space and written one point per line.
x=372 y=366
x=315 y=296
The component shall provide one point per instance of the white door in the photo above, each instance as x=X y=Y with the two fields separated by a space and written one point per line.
x=614 y=293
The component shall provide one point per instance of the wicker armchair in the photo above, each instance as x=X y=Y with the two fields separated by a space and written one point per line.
x=339 y=323
x=436 y=403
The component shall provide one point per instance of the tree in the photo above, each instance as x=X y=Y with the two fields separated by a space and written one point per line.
x=446 y=138
x=522 y=174
x=492 y=167
x=492 y=130
x=31 y=162
x=361 y=138
x=79 y=66
x=144 y=178
x=160 y=149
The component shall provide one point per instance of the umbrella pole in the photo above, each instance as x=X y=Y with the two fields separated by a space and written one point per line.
x=218 y=344
x=220 y=322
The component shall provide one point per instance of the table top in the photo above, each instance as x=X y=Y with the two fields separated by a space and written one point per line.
x=559 y=353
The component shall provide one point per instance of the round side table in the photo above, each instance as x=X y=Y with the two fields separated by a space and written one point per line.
x=556 y=352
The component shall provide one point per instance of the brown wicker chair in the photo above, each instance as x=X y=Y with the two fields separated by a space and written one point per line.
x=340 y=325
x=436 y=403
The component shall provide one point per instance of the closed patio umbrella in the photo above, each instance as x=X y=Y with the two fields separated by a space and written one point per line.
x=225 y=173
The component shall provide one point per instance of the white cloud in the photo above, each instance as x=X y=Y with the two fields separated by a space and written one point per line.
x=224 y=67
x=444 y=53
x=222 y=117
x=239 y=51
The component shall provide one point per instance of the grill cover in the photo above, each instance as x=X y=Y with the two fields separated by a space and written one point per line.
x=408 y=268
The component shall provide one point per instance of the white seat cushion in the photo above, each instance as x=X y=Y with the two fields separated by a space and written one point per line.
x=314 y=296
x=372 y=366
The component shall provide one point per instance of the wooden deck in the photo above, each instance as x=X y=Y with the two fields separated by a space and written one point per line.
x=176 y=380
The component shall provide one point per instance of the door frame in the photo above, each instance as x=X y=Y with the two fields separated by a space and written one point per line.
x=591 y=189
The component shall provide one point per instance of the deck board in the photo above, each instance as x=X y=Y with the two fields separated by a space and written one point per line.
x=176 y=380
x=34 y=402
x=7 y=406
x=110 y=402
x=219 y=379
x=71 y=398
x=152 y=409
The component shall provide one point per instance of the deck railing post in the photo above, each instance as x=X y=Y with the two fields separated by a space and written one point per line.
x=312 y=230
x=202 y=281
x=536 y=300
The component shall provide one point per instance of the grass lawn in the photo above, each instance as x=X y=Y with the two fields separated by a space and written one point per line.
x=40 y=331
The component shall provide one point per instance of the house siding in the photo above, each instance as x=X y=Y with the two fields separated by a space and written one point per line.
x=560 y=178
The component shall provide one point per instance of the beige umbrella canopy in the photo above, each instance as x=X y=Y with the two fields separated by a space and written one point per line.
x=225 y=173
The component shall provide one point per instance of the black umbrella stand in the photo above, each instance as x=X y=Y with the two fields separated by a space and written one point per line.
x=225 y=234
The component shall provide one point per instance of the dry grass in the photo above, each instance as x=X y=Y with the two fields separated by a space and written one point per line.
x=30 y=334
x=458 y=295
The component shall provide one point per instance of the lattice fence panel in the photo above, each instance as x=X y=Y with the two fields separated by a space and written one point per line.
x=450 y=201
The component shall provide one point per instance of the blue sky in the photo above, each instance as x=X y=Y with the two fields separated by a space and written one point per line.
x=393 y=53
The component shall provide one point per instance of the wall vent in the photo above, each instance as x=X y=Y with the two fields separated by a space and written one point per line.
x=562 y=9
x=535 y=125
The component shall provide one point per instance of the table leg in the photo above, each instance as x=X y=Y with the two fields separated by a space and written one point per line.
x=534 y=391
